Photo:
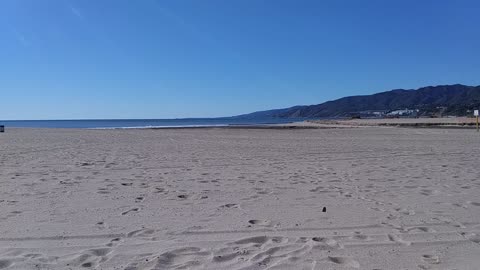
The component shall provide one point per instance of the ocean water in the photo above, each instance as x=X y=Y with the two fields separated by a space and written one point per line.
x=145 y=123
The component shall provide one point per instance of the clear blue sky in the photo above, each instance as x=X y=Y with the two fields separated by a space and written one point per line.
x=74 y=59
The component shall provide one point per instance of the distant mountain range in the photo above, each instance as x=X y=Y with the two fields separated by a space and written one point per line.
x=439 y=100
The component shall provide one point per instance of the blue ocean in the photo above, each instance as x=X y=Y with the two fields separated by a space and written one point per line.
x=145 y=123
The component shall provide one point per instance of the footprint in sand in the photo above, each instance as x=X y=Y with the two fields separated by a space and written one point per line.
x=474 y=203
x=230 y=254
x=5 y=263
x=160 y=190
x=395 y=238
x=181 y=258
x=83 y=164
x=460 y=205
x=100 y=251
x=258 y=222
x=89 y=258
x=429 y=192
x=405 y=211
x=131 y=210
x=103 y=191
x=113 y=242
x=267 y=256
x=326 y=243
x=101 y=225
x=265 y=251
x=345 y=261
x=13 y=214
x=229 y=205
x=259 y=240
x=360 y=236
x=472 y=237
x=419 y=229
x=432 y=259
x=141 y=233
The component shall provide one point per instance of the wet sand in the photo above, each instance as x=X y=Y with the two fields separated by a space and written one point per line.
x=395 y=198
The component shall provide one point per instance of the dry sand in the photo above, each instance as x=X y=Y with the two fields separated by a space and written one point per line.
x=240 y=199
x=465 y=122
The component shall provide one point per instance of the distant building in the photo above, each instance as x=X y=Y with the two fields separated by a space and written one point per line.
x=372 y=113
x=405 y=112
x=384 y=113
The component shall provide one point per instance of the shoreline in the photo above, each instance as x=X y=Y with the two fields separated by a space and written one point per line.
x=450 y=123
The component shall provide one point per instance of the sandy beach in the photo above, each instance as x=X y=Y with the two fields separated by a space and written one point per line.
x=395 y=198
x=443 y=122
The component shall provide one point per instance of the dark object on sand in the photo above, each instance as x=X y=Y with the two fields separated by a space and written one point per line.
x=2 y=128
x=324 y=210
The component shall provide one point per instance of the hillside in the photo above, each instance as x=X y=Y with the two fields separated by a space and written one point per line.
x=431 y=100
